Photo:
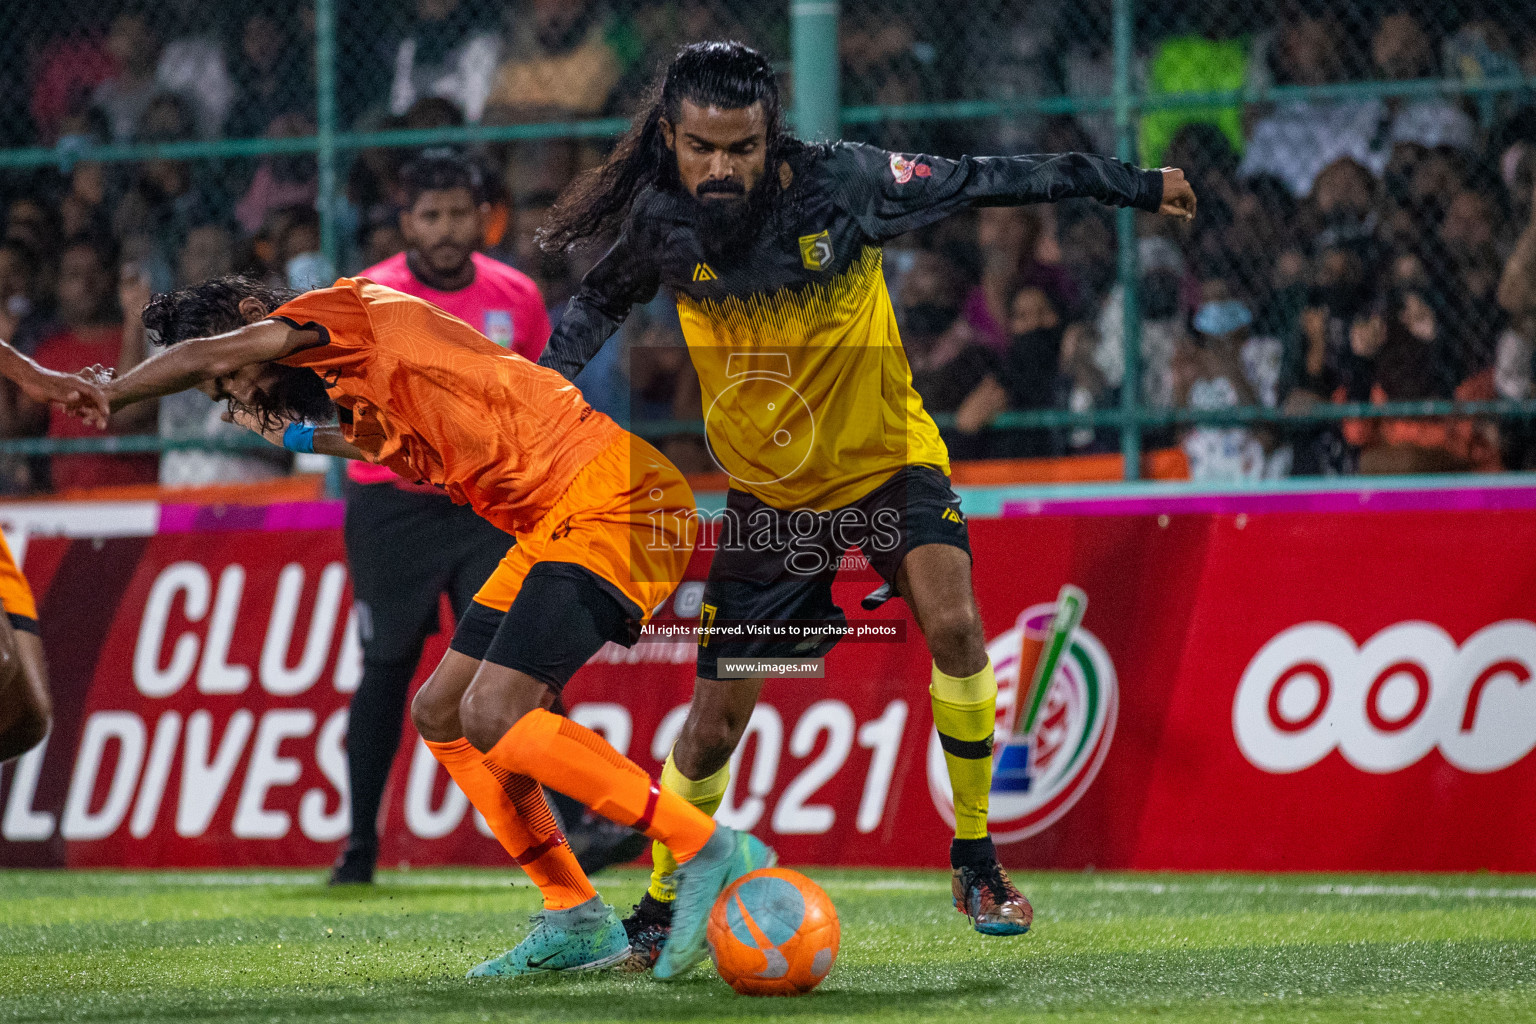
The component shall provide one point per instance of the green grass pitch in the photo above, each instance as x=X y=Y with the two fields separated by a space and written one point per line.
x=279 y=946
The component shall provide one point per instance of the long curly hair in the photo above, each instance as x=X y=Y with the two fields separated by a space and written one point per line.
x=728 y=75
x=213 y=307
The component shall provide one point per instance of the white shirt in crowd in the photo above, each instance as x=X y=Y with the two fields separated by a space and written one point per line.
x=1298 y=140
x=465 y=76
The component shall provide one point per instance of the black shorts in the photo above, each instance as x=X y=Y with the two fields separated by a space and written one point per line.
x=780 y=565
x=562 y=616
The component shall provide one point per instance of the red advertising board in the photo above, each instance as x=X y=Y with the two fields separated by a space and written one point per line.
x=1287 y=689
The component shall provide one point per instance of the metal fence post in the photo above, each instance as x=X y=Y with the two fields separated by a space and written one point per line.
x=1125 y=230
x=325 y=126
x=325 y=154
x=813 y=54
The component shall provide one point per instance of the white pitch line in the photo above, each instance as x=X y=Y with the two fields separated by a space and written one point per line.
x=1107 y=885
x=1280 y=889
x=219 y=879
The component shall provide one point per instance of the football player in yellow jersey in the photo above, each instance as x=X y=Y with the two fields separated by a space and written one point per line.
x=772 y=250
x=25 y=710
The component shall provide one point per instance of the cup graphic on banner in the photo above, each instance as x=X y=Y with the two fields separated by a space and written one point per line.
x=1057 y=701
x=1040 y=652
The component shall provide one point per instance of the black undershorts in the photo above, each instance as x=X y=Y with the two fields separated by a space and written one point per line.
x=792 y=581
x=563 y=615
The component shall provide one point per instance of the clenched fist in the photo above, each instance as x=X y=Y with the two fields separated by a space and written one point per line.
x=1178 y=197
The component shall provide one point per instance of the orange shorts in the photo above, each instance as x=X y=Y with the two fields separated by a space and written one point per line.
x=15 y=595
x=628 y=517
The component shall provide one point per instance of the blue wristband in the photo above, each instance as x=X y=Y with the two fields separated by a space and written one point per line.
x=299 y=437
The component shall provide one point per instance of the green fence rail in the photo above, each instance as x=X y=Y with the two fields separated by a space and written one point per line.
x=1035 y=419
x=611 y=127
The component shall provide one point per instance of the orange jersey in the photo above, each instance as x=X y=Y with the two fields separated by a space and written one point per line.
x=430 y=397
x=15 y=595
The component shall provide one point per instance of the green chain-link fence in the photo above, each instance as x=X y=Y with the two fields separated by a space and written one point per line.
x=1361 y=257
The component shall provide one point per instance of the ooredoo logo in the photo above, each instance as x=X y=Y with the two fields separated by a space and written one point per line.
x=1387 y=703
x=1070 y=738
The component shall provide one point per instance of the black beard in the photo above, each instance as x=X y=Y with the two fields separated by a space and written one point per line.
x=728 y=227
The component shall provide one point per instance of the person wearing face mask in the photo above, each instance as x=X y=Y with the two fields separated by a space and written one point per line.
x=1009 y=238
x=1222 y=367
x=947 y=359
x=1025 y=379
x=1345 y=198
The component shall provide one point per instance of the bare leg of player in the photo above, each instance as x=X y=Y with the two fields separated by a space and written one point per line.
x=26 y=713
x=717 y=717
x=935 y=580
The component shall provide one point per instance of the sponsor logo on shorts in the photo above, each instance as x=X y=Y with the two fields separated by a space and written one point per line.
x=953 y=515
x=1386 y=703
x=1069 y=741
x=703 y=272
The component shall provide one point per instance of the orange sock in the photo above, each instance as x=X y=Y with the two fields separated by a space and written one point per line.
x=579 y=763
x=515 y=808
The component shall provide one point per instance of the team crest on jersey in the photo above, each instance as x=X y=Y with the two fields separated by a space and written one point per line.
x=903 y=169
x=1074 y=726
x=816 y=250
x=703 y=272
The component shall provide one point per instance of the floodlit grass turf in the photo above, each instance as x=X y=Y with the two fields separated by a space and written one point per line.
x=277 y=946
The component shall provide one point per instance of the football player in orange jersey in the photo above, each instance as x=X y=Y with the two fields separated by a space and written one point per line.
x=602 y=537
x=25 y=710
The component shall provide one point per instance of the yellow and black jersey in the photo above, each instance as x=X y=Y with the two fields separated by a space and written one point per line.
x=808 y=399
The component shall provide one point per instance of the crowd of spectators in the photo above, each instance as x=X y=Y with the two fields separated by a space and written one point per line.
x=1352 y=248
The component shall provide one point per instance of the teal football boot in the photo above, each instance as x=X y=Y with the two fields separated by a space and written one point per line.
x=726 y=857
x=584 y=938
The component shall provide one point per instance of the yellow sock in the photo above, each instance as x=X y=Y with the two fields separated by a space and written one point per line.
x=704 y=794
x=965 y=713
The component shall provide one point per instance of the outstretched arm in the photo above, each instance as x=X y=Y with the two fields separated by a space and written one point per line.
x=622 y=278
x=893 y=193
x=38 y=383
x=193 y=362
